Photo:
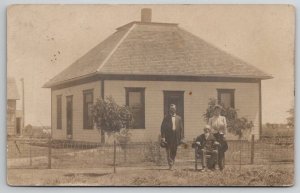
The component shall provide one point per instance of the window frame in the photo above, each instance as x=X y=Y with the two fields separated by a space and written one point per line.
x=142 y=91
x=232 y=96
x=85 y=109
x=59 y=116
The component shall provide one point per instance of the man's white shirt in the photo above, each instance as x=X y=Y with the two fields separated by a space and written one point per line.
x=173 y=122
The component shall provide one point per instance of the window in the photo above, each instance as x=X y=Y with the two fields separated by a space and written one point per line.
x=59 y=112
x=135 y=99
x=226 y=97
x=87 y=109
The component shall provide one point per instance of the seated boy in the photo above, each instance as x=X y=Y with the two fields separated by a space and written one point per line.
x=206 y=144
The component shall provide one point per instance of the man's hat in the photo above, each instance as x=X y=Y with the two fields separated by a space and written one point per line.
x=163 y=144
x=173 y=106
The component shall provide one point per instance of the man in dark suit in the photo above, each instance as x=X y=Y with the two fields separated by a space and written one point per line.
x=172 y=134
x=207 y=145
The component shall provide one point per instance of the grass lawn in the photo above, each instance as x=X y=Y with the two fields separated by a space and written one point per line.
x=249 y=175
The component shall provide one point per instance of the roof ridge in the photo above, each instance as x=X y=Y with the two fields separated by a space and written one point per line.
x=116 y=47
x=146 y=23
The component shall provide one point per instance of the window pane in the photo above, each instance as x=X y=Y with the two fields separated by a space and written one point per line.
x=90 y=115
x=136 y=102
x=138 y=118
x=226 y=99
x=87 y=110
x=90 y=108
x=135 y=99
x=88 y=97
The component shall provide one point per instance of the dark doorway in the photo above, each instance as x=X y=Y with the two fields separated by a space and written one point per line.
x=69 y=117
x=176 y=98
x=18 y=126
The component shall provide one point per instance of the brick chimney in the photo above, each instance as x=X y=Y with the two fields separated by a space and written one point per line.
x=146 y=14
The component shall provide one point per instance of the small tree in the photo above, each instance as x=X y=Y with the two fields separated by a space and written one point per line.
x=235 y=125
x=112 y=118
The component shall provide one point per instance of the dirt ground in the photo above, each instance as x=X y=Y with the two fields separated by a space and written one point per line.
x=271 y=175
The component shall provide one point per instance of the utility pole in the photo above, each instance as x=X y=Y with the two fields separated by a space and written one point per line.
x=23 y=103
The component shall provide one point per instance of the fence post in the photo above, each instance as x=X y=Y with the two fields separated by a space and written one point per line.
x=30 y=153
x=114 y=155
x=125 y=152
x=49 y=153
x=159 y=154
x=252 y=149
x=240 y=154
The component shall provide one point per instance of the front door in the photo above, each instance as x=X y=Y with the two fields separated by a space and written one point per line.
x=176 y=98
x=69 y=117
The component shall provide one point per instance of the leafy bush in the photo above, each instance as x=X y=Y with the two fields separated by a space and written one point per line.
x=111 y=117
x=239 y=125
x=235 y=125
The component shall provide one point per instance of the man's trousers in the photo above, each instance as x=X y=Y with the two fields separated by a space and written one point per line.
x=171 y=153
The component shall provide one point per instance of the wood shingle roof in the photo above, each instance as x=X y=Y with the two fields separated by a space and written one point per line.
x=140 y=48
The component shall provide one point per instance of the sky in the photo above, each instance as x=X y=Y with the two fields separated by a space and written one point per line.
x=42 y=40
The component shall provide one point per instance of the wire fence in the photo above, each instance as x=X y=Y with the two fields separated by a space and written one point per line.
x=47 y=153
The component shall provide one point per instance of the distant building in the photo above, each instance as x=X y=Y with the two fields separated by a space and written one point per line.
x=13 y=117
x=148 y=66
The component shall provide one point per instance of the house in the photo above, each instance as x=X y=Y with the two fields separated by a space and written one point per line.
x=149 y=65
x=13 y=116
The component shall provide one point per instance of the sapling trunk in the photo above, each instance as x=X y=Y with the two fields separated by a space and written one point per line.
x=114 y=153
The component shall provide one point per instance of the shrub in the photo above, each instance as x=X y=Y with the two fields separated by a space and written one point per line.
x=111 y=117
x=235 y=125
x=153 y=153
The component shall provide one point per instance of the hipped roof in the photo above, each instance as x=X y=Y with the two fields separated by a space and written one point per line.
x=148 y=48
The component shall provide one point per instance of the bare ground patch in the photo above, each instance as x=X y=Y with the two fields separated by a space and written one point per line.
x=275 y=175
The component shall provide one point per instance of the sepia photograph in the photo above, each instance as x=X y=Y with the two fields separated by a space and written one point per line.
x=150 y=95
